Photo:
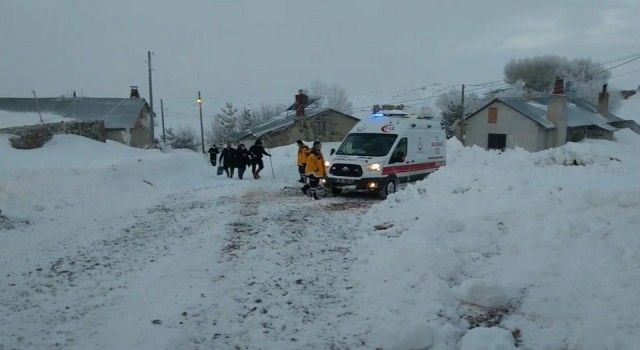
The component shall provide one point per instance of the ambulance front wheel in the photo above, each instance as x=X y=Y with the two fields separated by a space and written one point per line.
x=390 y=186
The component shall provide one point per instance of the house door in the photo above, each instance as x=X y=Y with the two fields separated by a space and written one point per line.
x=497 y=141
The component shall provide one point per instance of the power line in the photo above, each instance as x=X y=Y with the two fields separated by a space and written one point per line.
x=637 y=57
x=625 y=73
x=620 y=58
x=504 y=85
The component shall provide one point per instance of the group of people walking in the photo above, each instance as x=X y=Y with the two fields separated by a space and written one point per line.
x=311 y=165
x=239 y=158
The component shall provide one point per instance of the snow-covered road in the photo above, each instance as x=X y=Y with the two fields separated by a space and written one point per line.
x=267 y=268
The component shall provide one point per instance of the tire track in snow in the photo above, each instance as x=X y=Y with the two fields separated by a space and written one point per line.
x=283 y=276
x=47 y=305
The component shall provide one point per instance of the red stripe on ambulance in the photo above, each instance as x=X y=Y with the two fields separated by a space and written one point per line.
x=405 y=168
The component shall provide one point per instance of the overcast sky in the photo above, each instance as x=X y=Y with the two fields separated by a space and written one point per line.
x=253 y=51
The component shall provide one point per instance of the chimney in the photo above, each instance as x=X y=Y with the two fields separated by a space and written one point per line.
x=557 y=114
x=134 y=92
x=301 y=102
x=74 y=94
x=603 y=101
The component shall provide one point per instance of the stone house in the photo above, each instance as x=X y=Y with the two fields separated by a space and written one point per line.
x=300 y=122
x=535 y=124
x=126 y=120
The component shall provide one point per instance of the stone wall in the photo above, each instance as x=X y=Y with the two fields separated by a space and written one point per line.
x=35 y=136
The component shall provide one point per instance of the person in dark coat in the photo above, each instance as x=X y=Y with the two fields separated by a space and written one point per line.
x=228 y=159
x=243 y=160
x=257 y=151
x=213 y=154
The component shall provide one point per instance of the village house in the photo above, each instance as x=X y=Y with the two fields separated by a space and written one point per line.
x=535 y=124
x=126 y=120
x=300 y=122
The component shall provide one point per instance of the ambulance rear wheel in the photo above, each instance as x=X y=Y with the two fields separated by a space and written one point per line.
x=389 y=187
x=336 y=191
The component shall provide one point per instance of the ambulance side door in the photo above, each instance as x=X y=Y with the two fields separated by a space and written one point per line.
x=436 y=146
x=420 y=146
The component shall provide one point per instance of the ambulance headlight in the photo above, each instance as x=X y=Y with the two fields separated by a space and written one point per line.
x=327 y=163
x=374 y=166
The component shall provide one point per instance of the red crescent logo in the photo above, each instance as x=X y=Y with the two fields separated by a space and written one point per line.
x=387 y=128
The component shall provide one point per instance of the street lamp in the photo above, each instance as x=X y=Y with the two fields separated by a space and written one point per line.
x=199 y=100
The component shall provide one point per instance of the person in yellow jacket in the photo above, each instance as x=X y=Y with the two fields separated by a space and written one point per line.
x=303 y=152
x=314 y=170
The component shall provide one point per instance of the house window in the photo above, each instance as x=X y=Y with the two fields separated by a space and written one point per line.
x=493 y=115
x=497 y=141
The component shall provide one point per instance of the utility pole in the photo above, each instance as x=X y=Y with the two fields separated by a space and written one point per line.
x=201 y=127
x=164 y=137
x=151 y=96
x=462 y=116
x=37 y=105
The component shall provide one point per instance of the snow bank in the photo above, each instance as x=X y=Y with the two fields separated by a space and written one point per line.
x=12 y=119
x=73 y=172
x=543 y=244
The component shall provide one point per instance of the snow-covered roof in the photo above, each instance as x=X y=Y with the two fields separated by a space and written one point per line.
x=117 y=113
x=284 y=120
x=579 y=112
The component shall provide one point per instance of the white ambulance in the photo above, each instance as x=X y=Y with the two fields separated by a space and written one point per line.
x=383 y=150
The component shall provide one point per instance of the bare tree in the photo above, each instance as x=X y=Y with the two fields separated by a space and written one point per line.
x=331 y=96
x=267 y=111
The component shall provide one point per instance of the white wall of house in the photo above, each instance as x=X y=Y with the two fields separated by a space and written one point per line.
x=521 y=131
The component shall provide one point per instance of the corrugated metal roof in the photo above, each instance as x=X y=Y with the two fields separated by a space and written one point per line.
x=283 y=121
x=117 y=113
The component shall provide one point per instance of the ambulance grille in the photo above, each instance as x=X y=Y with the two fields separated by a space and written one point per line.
x=349 y=170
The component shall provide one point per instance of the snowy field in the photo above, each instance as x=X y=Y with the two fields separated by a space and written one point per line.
x=103 y=246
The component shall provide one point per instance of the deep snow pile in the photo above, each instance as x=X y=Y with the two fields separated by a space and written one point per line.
x=544 y=245
x=11 y=119
x=84 y=177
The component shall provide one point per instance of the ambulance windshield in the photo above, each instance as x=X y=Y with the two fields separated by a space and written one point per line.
x=369 y=145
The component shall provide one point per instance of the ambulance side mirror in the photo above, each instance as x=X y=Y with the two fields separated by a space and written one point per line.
x=333 y=150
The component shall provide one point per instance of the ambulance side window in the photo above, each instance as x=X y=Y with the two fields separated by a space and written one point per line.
x=400 y=153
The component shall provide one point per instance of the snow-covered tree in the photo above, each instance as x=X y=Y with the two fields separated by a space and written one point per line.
x=224 y=124
x=245 y=119
x=182 y=138
x=585 y=75
x=450 y=105
x=538 y=73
